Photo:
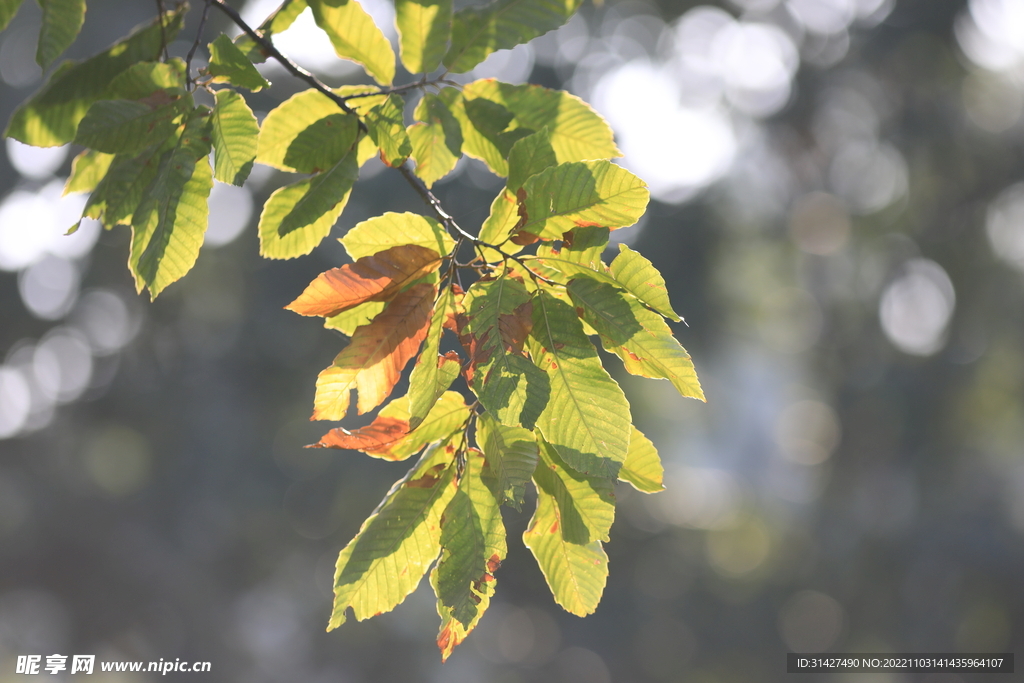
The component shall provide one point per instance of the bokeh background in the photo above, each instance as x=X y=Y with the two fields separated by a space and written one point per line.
x=840 y=217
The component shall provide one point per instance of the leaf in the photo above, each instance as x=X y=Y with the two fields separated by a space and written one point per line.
x=297 y=217
x=62 y=21
x=235 y=134
x=279 y=20
x=354 y=36
x=492 y=325
x=584 y=246
x=436 y=140
x=170 y=221
x=372 y=362
x=580 y=194
x=148 y=80
x=587 y=418
x=640 y=337
x=50 y=118
x=528 y=157
x=346 y=322
x=228 y=64
x=586 y=505
x=118 y=195
x=479 y=31
x=576 y=574
x=396 y=544
x=511 y=454
x=643 y=467
x=494 y=116
x=497 y=227
x=393 y=229
x=641 y=279
x=390 y=435
x=306 y=133
x=433 y=373
x=424 y=27
x=371 y=278
x=8 y=8
x=87 y=170
x=387 y=129
x=473 y=548
x=126 y=127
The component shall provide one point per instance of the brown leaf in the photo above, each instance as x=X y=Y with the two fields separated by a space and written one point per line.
x=377 y=277
x=374 y=439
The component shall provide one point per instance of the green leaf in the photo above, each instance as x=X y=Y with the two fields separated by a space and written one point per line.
x=396 y=544
x=640 y=337
x=641 y=279
x=354 y=36
x=580 y=194
x=511 y=454
x=392 y=229
x=279 y=20
x=586 y=505
x=235 y=135
x=424 y=27
x=433 y=373
x=492 y=326
x=127 y=127
x=50 y=118
x=170 y=221
x=228 y=64
x=8 y=8
x=436 y=140
x=528 y=157
x=643 y=467
x=346 y=322
x=584 y=246
x=122 y=188
x=148 y=80
x=576 y=574
x=306 y=133
x=388 y=130
x=62 y=21
x=479 y=31
x=473 y=547
x=297 y=217
x=497 y=227
x=494 y=116
x=87 y=170
x=587 y=419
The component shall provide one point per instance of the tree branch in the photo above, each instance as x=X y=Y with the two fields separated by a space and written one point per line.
x=195 y=44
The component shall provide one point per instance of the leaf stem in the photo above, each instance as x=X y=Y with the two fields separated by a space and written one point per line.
x=195 y=44
x=163 y=29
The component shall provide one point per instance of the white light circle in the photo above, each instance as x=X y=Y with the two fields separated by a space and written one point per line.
x=1004 y=223
x=49 y=287
x=230 y=211
x=15 y=401
x=35 y=162
x=916 y=307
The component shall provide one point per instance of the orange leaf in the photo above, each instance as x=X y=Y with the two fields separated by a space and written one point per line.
x=377 y=277
x=373 y=439
x=372 y=362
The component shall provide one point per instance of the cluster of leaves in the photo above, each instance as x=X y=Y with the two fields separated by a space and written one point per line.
x=545 y=411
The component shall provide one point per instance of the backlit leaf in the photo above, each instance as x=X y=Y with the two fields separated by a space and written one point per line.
x=62 y=20
x=511 y=454
x=436 y=139
x=433 y=373
x=354 y=36
x=378 y=277
x=87 y=171
x=279 y=20
x=396 y=544
x=372 y=363
x=387 y=128
x=393 y=229
x=497 y=228
x=528 y=157
x=297 y=217
x=235 y=134
x=586 y=505
x=127 y=127
x=587 y=418
x=424 y=27
x=146 y=81
x=479 y=31
x=228 y=64
x=580 y=194
x=118 y=195
x=641 y=279
x=306 y=133
x=640 y=337
x=346 y=322
x=494 y=116
x=51 y=116
x=8 y=8
x=643 y=467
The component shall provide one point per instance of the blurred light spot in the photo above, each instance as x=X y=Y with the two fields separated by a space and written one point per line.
x=757 y=63
x=696 y=497
x=740 y=549
x=807 y=432
x=62 y=364
x=916 y=308
x=303 y=42
x=869 y=176
x=991 y=33
x=873 y=12
x=49 y=287
x=33 y=224
x=480 y=176
x=756 y=5
x=993 y=103
x=819 y=223
x=105 y=320
x=118 y=460
x=21 y=357
x=823 y=16
x=35 y=162
x=811 y=622
x=580 y=665
x=15 y=401
x=230 y=211
x=18 y=67
x=1004 y=222
x=509 y=66
x=825 y=50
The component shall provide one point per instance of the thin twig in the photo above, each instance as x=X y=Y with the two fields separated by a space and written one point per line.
x=195 y=44
x=163 y=29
